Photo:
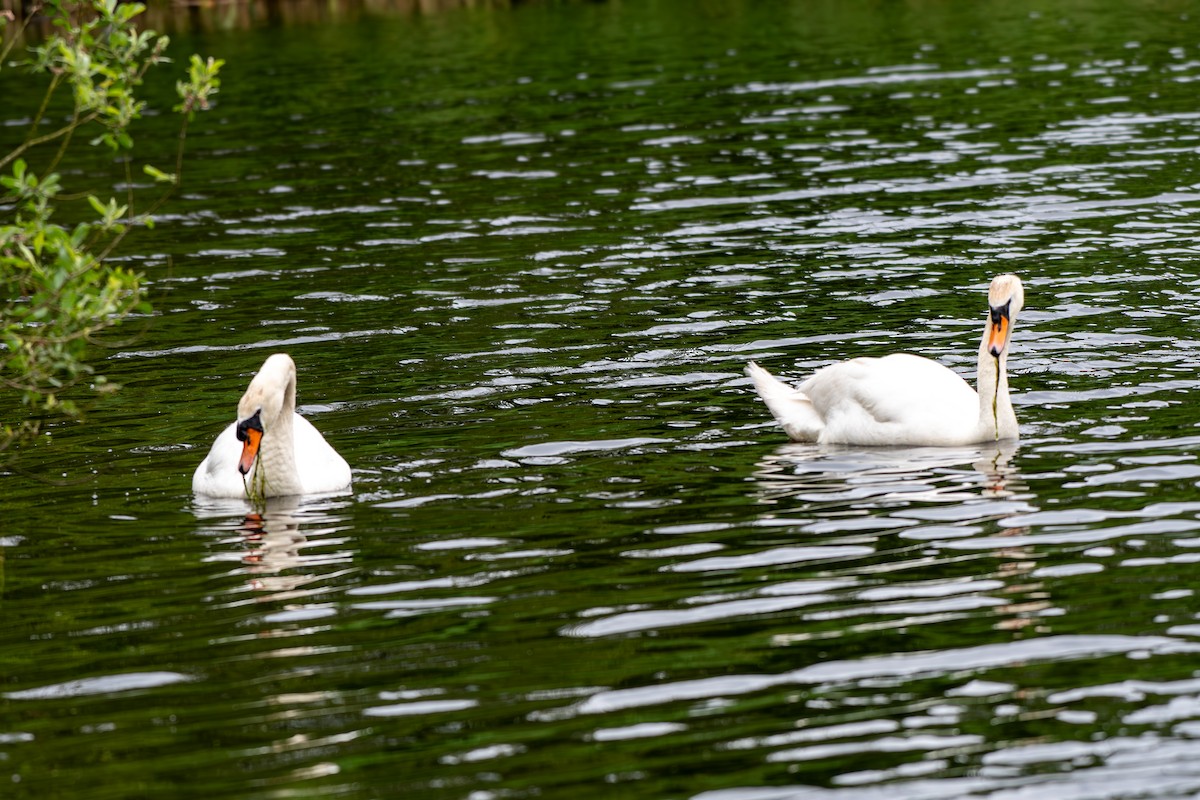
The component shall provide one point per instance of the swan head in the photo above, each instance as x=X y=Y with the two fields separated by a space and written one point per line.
x=1006 y=296
x=271 y=393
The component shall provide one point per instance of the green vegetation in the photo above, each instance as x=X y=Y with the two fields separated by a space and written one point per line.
x=58 y=292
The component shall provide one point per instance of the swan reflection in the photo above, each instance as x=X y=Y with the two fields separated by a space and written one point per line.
x=285 y=546
x=823 y=473
x=941 y=494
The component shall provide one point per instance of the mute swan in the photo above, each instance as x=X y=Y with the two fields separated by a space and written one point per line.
x=271 y=450
x=902 y=399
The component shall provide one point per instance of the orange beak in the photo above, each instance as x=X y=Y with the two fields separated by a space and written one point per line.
x=997 y=332
x=249 y=450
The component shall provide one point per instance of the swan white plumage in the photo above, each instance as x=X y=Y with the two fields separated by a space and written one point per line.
x=903 y=399
x=271 y=450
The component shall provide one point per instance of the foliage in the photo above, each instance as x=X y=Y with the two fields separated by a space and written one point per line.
x=58 y=290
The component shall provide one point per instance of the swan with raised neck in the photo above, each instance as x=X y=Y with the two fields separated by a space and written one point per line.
x=903 y=399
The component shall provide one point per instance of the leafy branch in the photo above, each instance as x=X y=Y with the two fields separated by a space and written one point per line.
x=57 y=290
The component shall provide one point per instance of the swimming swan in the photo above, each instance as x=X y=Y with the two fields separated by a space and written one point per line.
x=271 y=450
x=902 y=399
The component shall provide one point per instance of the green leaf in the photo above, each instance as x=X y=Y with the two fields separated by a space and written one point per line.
x=159 y=175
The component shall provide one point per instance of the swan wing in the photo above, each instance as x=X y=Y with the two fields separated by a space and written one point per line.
x=791 y=408
x=217 y=475
x=897 y=399
x=321 y=468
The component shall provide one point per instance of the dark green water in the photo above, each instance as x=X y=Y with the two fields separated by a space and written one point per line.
x=520 y=258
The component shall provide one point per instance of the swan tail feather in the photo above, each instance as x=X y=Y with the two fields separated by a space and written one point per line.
x=792 y=409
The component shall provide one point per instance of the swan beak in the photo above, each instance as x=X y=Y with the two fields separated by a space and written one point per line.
x=249 y=450
x=250 y=433
x=998 y=330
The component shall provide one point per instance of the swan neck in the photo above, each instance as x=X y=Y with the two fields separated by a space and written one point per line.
x=279 y=430
x=276 y=462
x=997 y=419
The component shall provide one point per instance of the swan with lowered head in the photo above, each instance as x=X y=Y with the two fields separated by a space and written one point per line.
x=271 y=450
x=902 y=399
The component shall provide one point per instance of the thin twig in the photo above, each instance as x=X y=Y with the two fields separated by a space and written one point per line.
x=49 y=137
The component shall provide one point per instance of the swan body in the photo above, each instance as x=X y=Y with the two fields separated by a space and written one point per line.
x=903 y=399
x=271 y=450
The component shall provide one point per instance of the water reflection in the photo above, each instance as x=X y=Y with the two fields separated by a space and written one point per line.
x=288 y=547
x=197 y=16
x=929 y=496
x=822 y=473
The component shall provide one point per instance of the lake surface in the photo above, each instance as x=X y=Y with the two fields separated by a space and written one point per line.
x=520 y=258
